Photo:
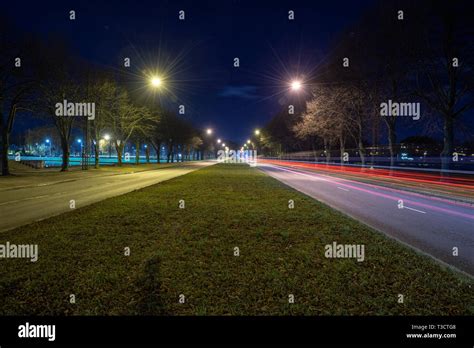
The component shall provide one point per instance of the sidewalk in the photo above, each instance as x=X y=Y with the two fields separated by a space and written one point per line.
x=24 y=176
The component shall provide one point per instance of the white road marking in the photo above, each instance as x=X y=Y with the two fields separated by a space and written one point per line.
x=419 y=211
x=343 y=189
x=24 y=199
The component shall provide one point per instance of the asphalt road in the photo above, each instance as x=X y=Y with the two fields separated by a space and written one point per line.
x=429 y=224
x=23 y=205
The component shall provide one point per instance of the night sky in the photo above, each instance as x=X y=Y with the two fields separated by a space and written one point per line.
x=198 y=53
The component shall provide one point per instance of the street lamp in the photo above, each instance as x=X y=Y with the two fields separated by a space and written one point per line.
x=218 y=141
x=79 y=141
x=223 y=145
x=248 y=141
x=209 y=131
x=49 y=143
x=296 y=85
x=257 y=132
x=155 y=81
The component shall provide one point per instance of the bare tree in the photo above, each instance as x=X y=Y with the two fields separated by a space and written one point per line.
x=124 y=120
x=446 y=70
x=17 y=77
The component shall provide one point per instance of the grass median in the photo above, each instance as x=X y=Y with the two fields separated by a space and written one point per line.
x=191 y=251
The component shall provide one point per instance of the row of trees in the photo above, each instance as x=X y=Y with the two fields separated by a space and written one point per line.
x=35 y=76
x=401 y=51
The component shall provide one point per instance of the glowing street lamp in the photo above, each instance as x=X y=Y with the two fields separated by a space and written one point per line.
x=218 y=141
x=209 y=131
x=223 y=145
x=79 y=141
x=295 y=85
x=155 y=81
x=50 y=144
x=257 y=132
x=248 y=141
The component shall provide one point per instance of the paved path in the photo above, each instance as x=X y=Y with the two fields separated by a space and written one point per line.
x=23 y=205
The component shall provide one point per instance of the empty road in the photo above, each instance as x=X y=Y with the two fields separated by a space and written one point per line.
x=23 y=205
x=430 y=224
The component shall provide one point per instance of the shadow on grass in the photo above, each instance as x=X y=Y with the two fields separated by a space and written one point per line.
x=149 y=289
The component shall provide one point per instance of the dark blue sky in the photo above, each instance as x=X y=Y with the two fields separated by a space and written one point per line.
x=199 y=52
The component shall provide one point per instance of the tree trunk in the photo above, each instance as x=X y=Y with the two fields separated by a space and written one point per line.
x=157 y=148
x=327 y=150
x=392 y=140
x=5 y=130
x=96 y=155
x=4 y=152
x=119 y=148
x=342 y=148
x=137 y=152
x=66 y=154
x=362 y=152
x=170 y=153
x=448 y=147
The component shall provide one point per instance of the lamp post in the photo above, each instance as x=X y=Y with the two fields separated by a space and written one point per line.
x=79 y=141
x=49 y=143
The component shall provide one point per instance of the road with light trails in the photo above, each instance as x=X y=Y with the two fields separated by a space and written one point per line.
x=20 y=206
x=429 y=224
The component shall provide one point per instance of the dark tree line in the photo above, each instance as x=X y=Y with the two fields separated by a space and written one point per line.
x=36 y=74
x=402 y=51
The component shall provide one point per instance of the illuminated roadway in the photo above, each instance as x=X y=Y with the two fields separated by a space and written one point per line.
x=429 y=224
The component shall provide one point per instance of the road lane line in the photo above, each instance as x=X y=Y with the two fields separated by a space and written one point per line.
x=380 y=194
x=419 y=211
x=24 y=199
x=343 y=189
x=386 y=188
